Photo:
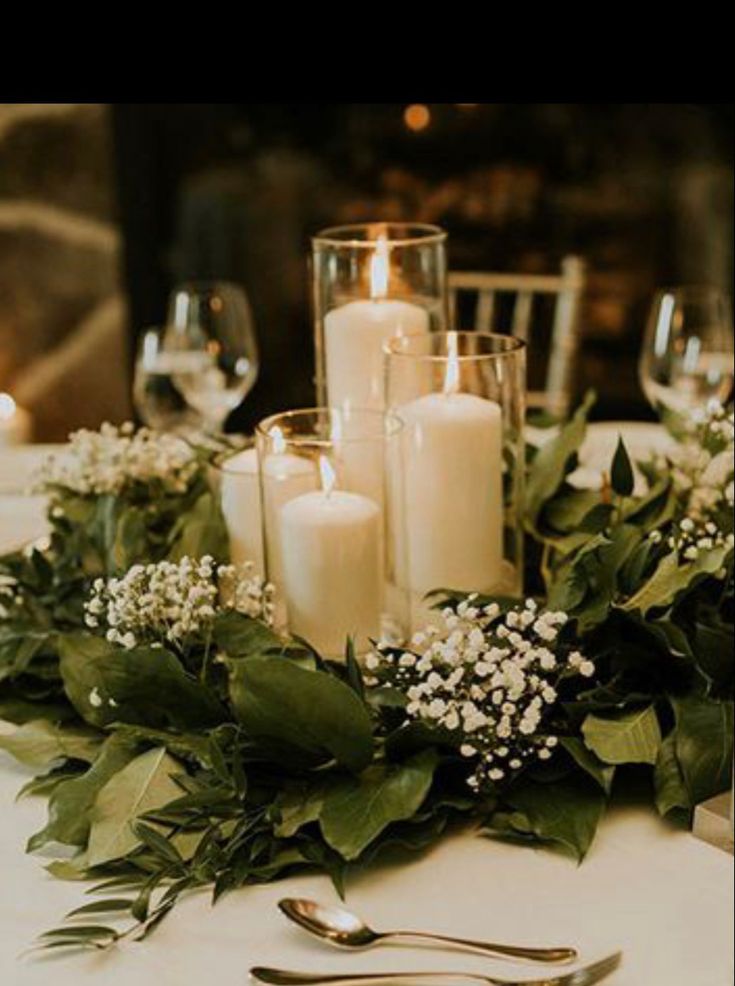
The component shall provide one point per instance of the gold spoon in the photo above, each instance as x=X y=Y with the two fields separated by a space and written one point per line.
x=346 y=930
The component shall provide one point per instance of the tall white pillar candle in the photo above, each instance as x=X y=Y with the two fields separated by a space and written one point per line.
x=332 y=569
x=452 y=472
x=354 y=335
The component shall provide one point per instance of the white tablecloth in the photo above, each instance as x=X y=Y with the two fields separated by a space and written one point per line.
x=646 y=887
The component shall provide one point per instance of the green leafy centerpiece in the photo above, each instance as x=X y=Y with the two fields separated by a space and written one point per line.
x=182 y=742
x=115 y=497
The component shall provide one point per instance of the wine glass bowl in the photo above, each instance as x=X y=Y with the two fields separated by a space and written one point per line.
x=157 y=400
x=212 y=323
x=687 y=354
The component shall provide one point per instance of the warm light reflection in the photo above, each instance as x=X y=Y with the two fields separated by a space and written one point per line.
x=451 y=374
x=335 y=428
x=379 y=265
x=327 y=473
x=279 y=442
x=7 y=407
x=417 y=116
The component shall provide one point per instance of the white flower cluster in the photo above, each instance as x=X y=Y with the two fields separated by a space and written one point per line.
x=108 y=460
x=174 y=602
x=488 y=679
x=691 y=535
x=701 y=469
x=702 y=466
x=716 y=421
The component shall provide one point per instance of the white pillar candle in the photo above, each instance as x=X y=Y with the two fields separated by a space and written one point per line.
x=240 y=499
x=452 y=489
x=15 y=422
x=354 y=335
x=286 y=476
x=332 y=567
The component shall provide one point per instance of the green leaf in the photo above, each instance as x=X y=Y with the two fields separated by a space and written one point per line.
x=145 y=686
x=308 y=711
x=359 y=810
x=201 y=531
x=82 y=931
x=70 y=803
x=597 y=519
x=18 y=710
x=74 y=869
x=299 y=805
x=621 y=473
x=670 y=790
x=17 y=651
x=634 y=737
x=601 y=772
x=671 y=580
x=566 y=813
x=554 y=460
x=704 y=739
x=569 y=589
x=130 y=543
x=187 y=745
x=566 y=511
x=142 y=786
x=157 y=843
x=40 y=742
x=713 y=648
x=238 y=635
x=654 y=509
x=354 y=673
x=109 y=906
x=587 y=584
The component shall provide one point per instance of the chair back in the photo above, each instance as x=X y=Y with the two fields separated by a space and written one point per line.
x=565 y=289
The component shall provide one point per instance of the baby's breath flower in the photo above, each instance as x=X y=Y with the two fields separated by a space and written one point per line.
x=489 y=681
x=174 y=602
x=115 y=458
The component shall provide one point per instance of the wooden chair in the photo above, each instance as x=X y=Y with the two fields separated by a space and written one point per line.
x=566 y=288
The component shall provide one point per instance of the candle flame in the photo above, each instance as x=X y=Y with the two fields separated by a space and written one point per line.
x=451 y=375
x=279 y=442
x=7 y=407
x=379 y=264
x=328 y=475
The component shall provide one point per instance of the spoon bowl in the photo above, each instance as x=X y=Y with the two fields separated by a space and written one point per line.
x=335 y=924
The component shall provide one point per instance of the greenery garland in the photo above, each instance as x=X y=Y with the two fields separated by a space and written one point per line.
x=183 y=743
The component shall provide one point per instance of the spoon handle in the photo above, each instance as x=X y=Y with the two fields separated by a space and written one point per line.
x=489 y=948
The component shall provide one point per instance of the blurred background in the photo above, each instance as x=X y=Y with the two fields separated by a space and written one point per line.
x=103 y=209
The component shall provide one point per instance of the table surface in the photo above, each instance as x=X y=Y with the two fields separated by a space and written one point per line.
x=646 y=886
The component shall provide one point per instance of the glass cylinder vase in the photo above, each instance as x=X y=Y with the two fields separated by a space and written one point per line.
x=371 y=282
x=328 y=528
x=460 y=467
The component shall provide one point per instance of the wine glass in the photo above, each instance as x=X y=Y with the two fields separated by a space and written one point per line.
x=157 y=399
x=687 y=354
x=210 y=328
